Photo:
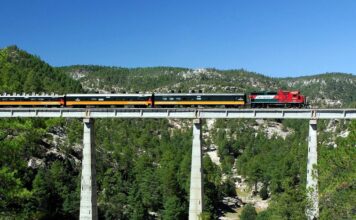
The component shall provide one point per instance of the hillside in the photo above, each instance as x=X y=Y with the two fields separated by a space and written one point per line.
x=324 y=90
x=23 y=72
x=34 y=153
x=329 y=89
x=164 y=79
x=144 y=173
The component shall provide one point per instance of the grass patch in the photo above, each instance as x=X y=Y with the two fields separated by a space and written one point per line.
x=242 y=193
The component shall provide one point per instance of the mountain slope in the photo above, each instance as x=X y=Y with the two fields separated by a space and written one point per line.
x=166 y=78
x=38 y=173
x=327 y=90
x=23 y=72
x=324 y=90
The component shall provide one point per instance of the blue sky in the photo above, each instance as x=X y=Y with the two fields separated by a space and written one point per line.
x=274 y=37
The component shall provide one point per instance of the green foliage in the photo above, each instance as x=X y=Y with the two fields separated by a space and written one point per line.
x=23 y=72
x=228 y=187
x=212 y=187
x=173 y=209
x=74 y=129
x=265 y=215
x=337 y=175
x=50 y=191
x=275 y=162
x=147 y=170
x=248 y=213
x=55 y=193
x=124 y=79
x=264 y=192
x=152 y=79
x=281 y=165
x=12 y=192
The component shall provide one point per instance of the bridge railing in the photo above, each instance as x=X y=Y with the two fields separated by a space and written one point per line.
x=178 y=113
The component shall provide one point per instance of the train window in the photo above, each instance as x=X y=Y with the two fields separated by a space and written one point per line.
x=178 y=98
x=164 y=98
x=171 y=98
x=101 y=99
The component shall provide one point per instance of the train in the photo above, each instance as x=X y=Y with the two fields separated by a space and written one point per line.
x=277 y=99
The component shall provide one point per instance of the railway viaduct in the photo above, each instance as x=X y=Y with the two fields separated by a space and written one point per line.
x=88 y=195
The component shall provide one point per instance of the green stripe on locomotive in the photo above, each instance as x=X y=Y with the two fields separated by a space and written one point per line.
x=272 y=101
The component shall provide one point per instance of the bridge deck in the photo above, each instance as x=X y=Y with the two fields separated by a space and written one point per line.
x=177 y=113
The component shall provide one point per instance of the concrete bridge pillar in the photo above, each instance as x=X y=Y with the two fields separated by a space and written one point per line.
x=88 y=206
x=196 y=174
x=312 y=211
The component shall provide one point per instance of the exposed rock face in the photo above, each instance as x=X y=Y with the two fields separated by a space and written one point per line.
x=330 y=103
x=77 y=148
x=272 y=128
x=211 y=149
x=35 y=163
x=55 y=154
x=78 y=74
x=333 y=127
x=56 y=147
x=233 y=202
x=344 y=134
x=213 y=154
x=245 y=194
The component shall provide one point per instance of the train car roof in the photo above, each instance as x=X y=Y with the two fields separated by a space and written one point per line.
x=119 y=95
x=31 y=96
x=109 y=94
x=201 y=94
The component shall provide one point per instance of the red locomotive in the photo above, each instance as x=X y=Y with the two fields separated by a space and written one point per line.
x=281 y=98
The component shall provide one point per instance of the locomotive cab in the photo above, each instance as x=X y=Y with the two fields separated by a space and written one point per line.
x=290 y=98
x=281 y=98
